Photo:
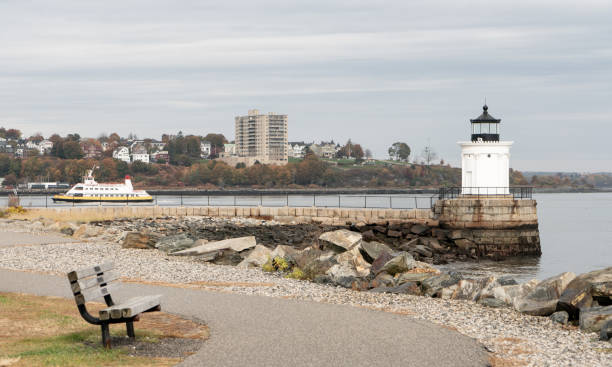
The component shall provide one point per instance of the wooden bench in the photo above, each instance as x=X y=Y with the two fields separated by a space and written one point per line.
x=95 y=282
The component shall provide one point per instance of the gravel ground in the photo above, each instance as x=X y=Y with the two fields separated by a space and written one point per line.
x=514 y=338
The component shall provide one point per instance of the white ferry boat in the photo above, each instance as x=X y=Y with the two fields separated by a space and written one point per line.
x=90 y=190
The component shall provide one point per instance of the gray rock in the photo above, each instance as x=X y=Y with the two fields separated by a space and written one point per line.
x=375 y=249
x=314 y=262
x=379 y=262
x=492 y=302
x=510 y=294
x=322 y=279
x=543 y=299
x=594 y=318
x=354 y=258
x=419 y=229
x=257 y=257
x=343 y=274
x=432 y=243
x=175 y=243
x=236 y=244
x=399 y=264
x=467 y=289
x=139 y=240
x=341 y=239
x=413 y=277
x=67 y=231
x=465 y=244
x=284 y=251
x=507 y=281
x=383 y=280
x=434 y=285
x=560 y=317
x=585 y=289
x=422 y=250
x=606 y=331
x=410 y=245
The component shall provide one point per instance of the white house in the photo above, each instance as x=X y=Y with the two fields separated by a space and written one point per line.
x=45 y=146
x=296 y=150
x=229 y=149
x=122 y=154
x=139 y=154
x=205 y=149
x=485 y=160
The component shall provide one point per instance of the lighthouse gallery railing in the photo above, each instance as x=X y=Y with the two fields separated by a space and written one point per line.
x=514 y=192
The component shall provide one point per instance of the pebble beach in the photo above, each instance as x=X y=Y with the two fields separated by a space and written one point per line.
x=513 y=339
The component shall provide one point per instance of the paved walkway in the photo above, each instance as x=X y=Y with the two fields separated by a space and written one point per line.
x=10 y=239
x=263 y=331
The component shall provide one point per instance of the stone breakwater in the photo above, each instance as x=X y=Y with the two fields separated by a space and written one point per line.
x=513 y=338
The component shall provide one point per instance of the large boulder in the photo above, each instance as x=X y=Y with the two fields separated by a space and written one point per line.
x=343 y=274
x=606 y=331
x=341 y=240
x=382 y=280
x=314 y=262
x=509 y=294
x=399 y=264
x=373 y=250
x=560 y=317
x=237 y=244
x=172 y=244
x=543 y=299
x=139 y=240
x=354 y=258
x=257 y=257
x=594 y=318
x=379 y=262
x=434 y=285
x=419 y=229
x=580 y=293
x=469 y=289
x=284 y=251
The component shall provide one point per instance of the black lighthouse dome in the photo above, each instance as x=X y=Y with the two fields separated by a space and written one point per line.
x=485 y=127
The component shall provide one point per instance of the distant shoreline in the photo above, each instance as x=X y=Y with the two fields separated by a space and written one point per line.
x=306 y=191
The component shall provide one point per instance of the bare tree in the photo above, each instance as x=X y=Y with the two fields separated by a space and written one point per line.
x=429 y=154
x=368 y=153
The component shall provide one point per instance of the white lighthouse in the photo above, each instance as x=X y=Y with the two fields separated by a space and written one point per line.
x=485 y=160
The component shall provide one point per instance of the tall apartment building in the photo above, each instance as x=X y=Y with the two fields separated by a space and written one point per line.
x=262 y=137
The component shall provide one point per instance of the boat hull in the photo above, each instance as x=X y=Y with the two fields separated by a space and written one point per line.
x=93 y=199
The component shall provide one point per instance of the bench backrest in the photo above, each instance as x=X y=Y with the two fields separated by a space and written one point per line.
x=94 y=282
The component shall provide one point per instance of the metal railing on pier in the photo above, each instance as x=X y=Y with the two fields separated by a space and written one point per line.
x=514 y=192
x=424 y=201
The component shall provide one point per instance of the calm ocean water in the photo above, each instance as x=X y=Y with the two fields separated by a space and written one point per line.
x=575 y=229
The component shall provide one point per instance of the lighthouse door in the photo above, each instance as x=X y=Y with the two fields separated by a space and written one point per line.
x=468 y=183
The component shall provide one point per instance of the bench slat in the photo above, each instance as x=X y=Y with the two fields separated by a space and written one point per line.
x=83 y=284
x=131 y=307
x=93 y=293
x=87 y=272
x=145 y=305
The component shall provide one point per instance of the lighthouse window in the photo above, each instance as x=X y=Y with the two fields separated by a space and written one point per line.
x=489 y=155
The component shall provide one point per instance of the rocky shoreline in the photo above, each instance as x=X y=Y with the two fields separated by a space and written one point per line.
x=482 y=308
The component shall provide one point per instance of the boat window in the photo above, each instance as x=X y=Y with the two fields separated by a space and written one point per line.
x=78 y=187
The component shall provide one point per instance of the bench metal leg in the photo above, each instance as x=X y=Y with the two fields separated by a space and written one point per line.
x=106 y=341
x=130 y=329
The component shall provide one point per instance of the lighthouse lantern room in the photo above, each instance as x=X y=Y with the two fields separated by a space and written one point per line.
x=485 y=160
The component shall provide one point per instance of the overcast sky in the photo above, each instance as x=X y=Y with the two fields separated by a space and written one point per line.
x=373 y=71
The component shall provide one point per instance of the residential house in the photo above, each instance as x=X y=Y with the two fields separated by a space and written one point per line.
x=161 y=155
x=45 y=146
x=205 y=149
x=325 y=150
x=296 y=149
x=122 y=154
x=91 y=150
x=139 y=154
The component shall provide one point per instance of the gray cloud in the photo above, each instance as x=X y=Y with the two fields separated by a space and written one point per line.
x=372 y=71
